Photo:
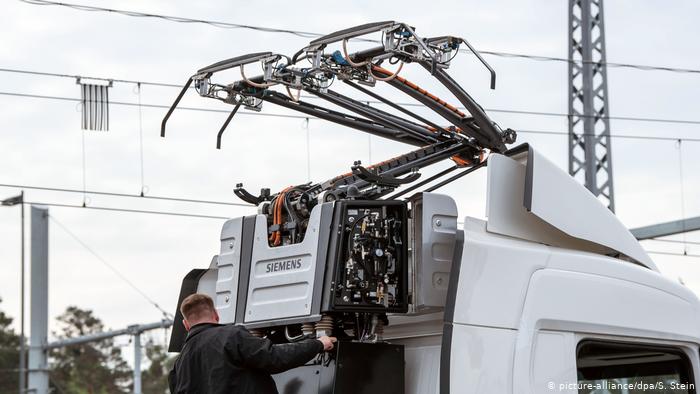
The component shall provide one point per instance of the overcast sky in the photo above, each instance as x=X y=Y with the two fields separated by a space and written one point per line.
x=40 y=141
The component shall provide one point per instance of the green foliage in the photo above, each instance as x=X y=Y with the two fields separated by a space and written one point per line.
x=91 y=368
x=9 y=355
x=155 y=378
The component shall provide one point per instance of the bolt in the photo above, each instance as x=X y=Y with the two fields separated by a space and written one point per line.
x=226 y=299
x=438 y=223
x=230 y=245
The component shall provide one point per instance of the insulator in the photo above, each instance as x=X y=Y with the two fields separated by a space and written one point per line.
x=324 y=326
x=308 y=329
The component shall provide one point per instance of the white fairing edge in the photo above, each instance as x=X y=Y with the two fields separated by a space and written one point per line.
x=559 y=200
x=539 y=202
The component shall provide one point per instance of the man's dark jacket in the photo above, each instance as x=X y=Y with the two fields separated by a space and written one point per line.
x=228 y=359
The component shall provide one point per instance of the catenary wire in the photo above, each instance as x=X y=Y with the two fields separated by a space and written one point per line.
x=497 y=110
x=629 y=136
x=115 y=194
x=112 y=209
x=675 y=241
x=108 y=265
x=307 y=34
x=673 y=253
x=222 y=217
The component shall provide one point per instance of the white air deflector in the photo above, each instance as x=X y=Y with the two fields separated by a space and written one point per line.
x=533 y=199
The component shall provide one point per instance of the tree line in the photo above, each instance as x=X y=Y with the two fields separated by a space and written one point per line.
x=91 y=368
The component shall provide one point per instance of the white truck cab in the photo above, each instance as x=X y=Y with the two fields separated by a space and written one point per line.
x=529 y=315
x=551 y=294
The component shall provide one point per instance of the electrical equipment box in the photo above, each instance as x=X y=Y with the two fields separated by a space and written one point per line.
x=368 y=258
x=380 y=370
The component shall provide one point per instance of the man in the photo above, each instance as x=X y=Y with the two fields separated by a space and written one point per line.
x=220 y=358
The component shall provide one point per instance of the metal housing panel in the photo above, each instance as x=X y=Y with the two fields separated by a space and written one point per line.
x=228 y=268
x=435 y=230
x=282 y=279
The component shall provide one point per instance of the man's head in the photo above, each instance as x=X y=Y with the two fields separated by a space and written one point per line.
x=196 y=309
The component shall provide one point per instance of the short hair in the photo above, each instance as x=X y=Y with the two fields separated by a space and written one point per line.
x=194 y=306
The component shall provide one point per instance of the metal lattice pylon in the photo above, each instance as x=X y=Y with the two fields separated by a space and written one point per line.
x=590 y=158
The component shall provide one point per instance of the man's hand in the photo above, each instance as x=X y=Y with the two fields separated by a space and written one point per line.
x=327 y=342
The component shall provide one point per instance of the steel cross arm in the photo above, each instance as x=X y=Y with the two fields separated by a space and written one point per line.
x=377 y=115
x=488 y=134
x=354 y=122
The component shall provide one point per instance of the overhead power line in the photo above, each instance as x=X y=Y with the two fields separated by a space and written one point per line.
x=620 y=136
x=675 y=241
x=110 y=266
x=112 y=209
x=498 y=110
x=223 y=217
x=51 y=74
x=307 y=34
x=673 y=253
x=128 y=104
x=616 y=136
x=115 y=194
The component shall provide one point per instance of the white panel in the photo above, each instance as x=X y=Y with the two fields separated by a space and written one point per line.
x=507 y=214
x=228 y=268
x=282 y=278
x=571 y=260
x=494 y=275
x=586 y=303
x=435 y=229
x=553 y=364
x=562 y=212
x=561 y=201
x=481 y=360
x=422 y=367
x=207 y=283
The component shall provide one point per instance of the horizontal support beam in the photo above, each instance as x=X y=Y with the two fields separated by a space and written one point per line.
x=667 y=228
x=131 y=330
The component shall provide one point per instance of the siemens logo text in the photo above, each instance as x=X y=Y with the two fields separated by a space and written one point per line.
x=283 y=265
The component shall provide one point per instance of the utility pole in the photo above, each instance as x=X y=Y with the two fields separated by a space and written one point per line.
x=19 y=200
x=39 y=302
x=590 y=157
x=137 y=363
